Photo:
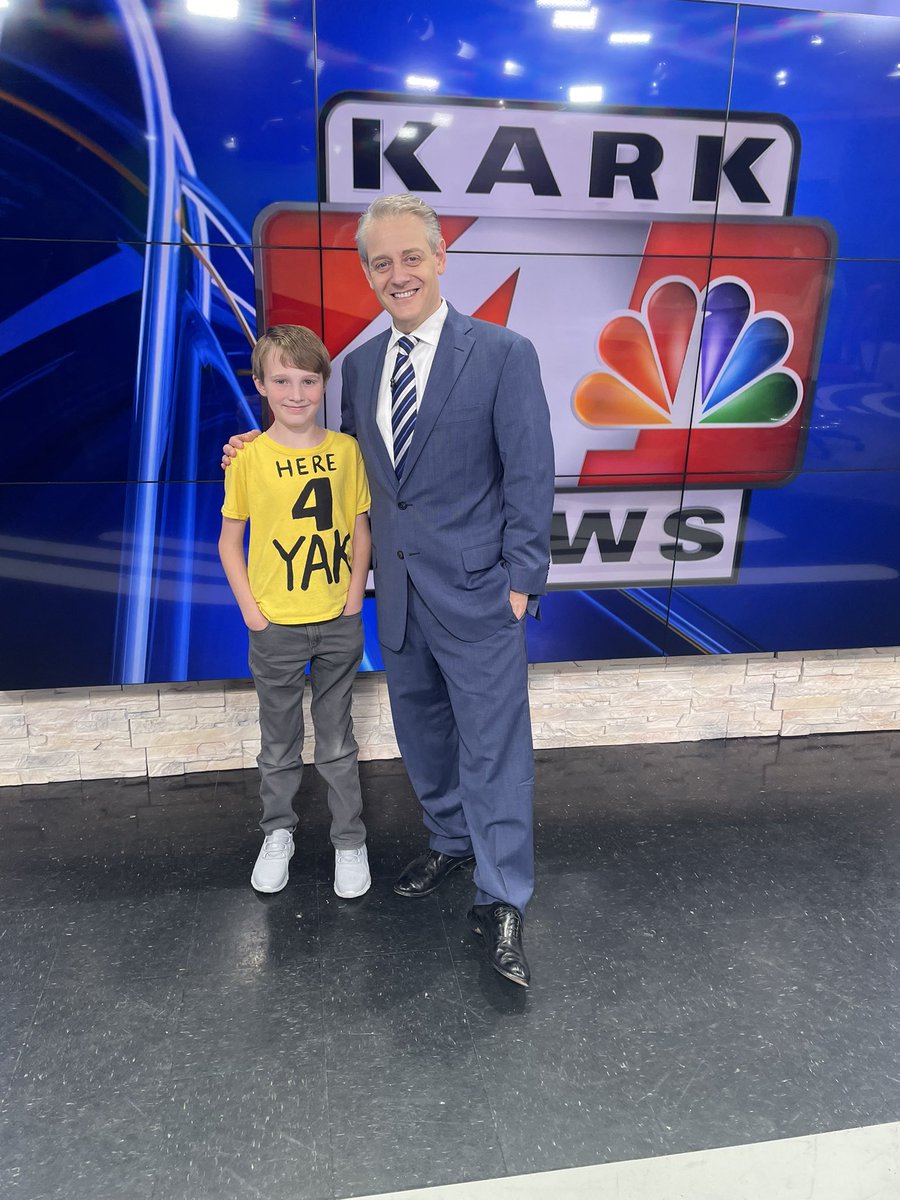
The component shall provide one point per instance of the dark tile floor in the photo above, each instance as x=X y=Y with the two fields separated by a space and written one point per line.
x=713 y=946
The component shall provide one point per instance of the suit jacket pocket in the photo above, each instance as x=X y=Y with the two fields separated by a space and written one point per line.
x=450 y=414
x=480 y=558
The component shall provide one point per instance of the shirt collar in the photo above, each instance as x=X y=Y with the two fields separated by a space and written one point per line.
x=429 y=331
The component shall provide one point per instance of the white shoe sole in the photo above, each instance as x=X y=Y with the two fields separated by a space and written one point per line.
x=269 y=891
x=353 y=895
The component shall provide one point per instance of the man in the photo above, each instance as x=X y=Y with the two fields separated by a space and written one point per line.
x=454 y=429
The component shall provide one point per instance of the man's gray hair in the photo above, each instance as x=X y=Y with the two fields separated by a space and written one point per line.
x=401 y=205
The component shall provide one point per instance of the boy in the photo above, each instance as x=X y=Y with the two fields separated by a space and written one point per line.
x=304 y=490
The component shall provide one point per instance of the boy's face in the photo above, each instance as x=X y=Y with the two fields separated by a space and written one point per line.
x=294 y=395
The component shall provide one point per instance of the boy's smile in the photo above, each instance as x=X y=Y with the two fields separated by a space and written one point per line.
x=294 y=396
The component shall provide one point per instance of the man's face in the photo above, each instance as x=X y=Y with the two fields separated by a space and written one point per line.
x=402 y=271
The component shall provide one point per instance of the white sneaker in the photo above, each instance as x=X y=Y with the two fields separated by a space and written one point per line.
x=271 y=871
x=351 y=873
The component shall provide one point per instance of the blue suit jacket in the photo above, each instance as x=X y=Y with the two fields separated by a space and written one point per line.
x=470 y=520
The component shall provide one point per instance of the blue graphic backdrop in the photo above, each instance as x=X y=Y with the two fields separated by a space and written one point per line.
x=138 y=143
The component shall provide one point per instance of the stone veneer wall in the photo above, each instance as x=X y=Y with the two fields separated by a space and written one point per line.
x=169 y=729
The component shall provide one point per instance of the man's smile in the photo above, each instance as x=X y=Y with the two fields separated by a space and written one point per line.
x=404 y=270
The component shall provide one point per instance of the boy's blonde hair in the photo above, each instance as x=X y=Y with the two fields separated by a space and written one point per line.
x=296 y=346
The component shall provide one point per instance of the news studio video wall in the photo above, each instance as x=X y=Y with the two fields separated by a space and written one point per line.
x=690 y=208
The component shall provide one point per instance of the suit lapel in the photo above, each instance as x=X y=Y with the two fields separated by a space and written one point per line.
x=453 y=348
x=368 y=409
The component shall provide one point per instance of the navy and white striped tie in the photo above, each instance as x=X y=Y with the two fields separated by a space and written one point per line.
x=403 y=402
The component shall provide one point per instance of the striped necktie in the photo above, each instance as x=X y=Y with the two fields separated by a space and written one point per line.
x=403 y=402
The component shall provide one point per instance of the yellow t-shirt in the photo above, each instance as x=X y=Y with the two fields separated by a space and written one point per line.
x=302 y=506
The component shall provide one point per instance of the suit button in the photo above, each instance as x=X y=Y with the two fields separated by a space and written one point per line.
x=403 y=504
x=399 y=553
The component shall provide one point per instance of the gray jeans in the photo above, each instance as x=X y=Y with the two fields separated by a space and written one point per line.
x=278 y=658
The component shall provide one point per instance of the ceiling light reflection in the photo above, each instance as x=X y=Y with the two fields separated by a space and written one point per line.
x=513 y=68
x=563 y=19
x=586 y=93
x=630 y=39
x=225 y=10
x=422 y=83
x=563 y=3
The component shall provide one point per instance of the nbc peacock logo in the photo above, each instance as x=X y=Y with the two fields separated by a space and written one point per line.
x=692 y=358
x=701 y=381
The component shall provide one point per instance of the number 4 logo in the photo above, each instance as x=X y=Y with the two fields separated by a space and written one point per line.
x=321 y=507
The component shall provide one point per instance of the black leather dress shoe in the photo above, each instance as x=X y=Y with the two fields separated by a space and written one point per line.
x=426 y=873
x=501 y=927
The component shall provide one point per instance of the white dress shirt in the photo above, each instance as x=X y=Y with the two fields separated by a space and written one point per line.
x=427 y=336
